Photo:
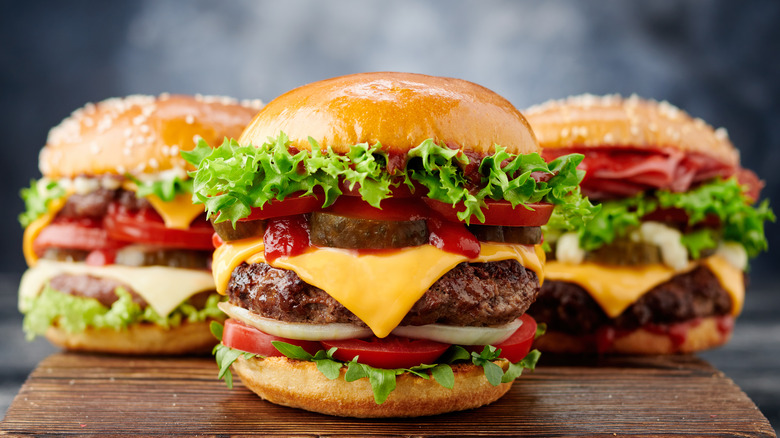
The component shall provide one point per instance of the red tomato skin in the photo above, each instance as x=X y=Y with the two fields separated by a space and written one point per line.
x=146 y=226
x=74 y=235
x=498 y=213
x=518 y=345
x=286 y=207
x=393 y=209
x=286 y=236
x=389 y=353
x=243 y=337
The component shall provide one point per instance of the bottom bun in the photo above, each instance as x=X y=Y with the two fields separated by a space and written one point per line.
x=687 y=337
x=144 y=338
x=299 y=384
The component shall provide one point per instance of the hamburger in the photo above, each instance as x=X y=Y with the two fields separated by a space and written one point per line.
x=119 y=258
x=379 y=244
x=661 y=267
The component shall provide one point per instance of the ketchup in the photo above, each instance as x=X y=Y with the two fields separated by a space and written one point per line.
x=452 y=237
x=286 y=236
x=677 y=332
x=725 y=324
x=289 y=236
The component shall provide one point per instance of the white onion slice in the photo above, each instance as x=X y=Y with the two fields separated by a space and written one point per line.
x=459 y=335
x=295 y=330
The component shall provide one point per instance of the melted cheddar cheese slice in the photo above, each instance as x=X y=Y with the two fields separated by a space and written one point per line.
x=379 y=288
x=32 y=231
x=178 y=213
x=615 y=288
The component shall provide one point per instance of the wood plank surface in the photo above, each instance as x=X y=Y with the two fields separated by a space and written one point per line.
x=639 y=396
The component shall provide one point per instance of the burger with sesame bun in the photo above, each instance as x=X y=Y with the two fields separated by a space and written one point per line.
x=119 y=258
x=660 y=269
x=380 y=244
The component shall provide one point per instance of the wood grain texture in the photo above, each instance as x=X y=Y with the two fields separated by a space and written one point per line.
x=639 y=396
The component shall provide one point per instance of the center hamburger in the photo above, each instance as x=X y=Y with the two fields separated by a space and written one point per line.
x=378 y=241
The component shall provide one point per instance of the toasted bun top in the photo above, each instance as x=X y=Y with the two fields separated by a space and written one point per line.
x=140 y=134
x=595 y=121
x=398 y=110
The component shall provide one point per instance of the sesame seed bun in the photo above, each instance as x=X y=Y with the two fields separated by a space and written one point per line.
x=398 y=110
x=702 y=336
x=300 y=385
x=597 y=121
x=140 y=134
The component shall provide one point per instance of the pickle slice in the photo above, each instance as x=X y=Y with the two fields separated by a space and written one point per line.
x=498 y=233
x=337 y=231
x=243 y=230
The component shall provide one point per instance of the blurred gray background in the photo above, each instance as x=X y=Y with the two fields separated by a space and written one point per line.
x=719 y=60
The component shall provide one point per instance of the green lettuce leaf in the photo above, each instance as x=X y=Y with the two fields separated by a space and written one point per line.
x=164 y=189
x=724 y=199
x=37 y=198
x=382 y=380
x=76 y=314
x=232 y=179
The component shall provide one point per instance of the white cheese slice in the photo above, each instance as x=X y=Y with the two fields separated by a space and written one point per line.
x=164 y=288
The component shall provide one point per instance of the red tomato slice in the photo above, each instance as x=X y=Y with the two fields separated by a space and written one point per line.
x=401 y=191
x=74 y=235
x=243 y=337
x=402 y=209
x=519 y=344
x=146 y=226
x=286 y=207
x=498 y=213
x=390 y=352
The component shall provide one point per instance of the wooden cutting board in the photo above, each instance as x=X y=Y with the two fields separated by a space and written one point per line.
x=658 y=396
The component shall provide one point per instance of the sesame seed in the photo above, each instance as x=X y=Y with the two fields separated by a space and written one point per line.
x=189 y=119
x=144 y=128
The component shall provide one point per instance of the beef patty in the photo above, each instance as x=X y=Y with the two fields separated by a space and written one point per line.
x=95 y=204
x=471 y=294
x=567 y=307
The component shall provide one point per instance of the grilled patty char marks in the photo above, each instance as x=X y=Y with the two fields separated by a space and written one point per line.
x=471 y=294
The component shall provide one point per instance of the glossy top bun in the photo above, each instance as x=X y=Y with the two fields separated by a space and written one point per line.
x=398 y=110
x=140 y=134
x=593 y=121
